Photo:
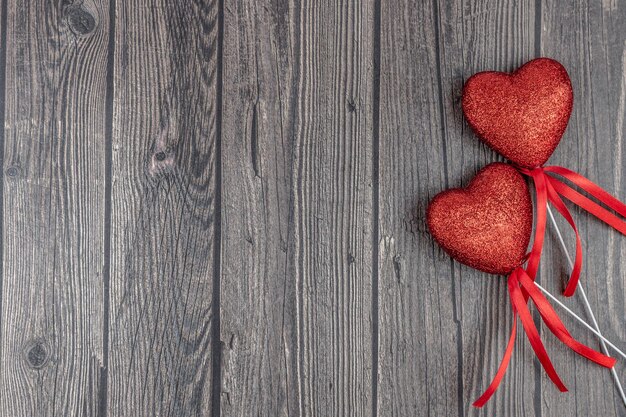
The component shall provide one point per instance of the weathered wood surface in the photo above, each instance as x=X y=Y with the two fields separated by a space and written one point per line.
x=297 y=209
x=593 y=145
x=216 y=207
x=54 y=65
x=459 y=318
x=164 y=200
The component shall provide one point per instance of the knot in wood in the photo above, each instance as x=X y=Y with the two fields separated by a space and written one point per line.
x=80 y=21
x=13 y=171
x=36 y=354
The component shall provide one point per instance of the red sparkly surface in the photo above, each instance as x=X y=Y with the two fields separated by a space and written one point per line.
x=521 y=115
x=488 y=224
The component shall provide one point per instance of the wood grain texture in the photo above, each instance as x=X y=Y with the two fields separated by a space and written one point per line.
x=298 y=209
x=164 y=191
x=51 y=347
x=447 y=352
x=216 y=207
x=258 y=291
x=595 y=57
x=419 y=335
x=482 y=36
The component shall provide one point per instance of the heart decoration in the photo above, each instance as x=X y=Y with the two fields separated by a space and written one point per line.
x=488 y=224
x=521 y=115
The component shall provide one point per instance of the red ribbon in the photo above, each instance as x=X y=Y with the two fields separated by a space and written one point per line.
x=551 y=189
x=521 y=282
x=522 y=287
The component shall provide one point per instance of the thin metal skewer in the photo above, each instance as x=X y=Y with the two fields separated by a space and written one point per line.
x=583 y=322
x=587 y=306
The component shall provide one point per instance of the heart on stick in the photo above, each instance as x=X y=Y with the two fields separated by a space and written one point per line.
x=488 y=224
x=521 y=115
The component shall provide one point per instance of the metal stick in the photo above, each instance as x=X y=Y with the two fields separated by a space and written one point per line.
x=588 y=306
x=583 y=322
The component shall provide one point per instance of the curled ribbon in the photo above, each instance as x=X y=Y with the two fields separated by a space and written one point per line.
x=549 y=188
x=521 y=288
x=521 y=281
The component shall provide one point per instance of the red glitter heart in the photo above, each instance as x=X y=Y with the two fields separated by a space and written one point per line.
x=488 y=224
x=521 y=115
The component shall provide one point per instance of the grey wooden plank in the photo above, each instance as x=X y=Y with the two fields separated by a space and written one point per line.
x=51 y=346
x=418 y=363
x=589 y=38
x=444 y=326
x=258 y=320
x=165 y=196
x=482 y=36
x=298 y=208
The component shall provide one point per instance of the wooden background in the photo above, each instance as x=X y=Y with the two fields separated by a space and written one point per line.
x=216 y=207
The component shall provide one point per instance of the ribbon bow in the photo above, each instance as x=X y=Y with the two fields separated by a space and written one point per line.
x=549 y=188
x=521 y=281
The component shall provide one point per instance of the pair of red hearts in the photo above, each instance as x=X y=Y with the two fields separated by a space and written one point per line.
x=522 y=116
